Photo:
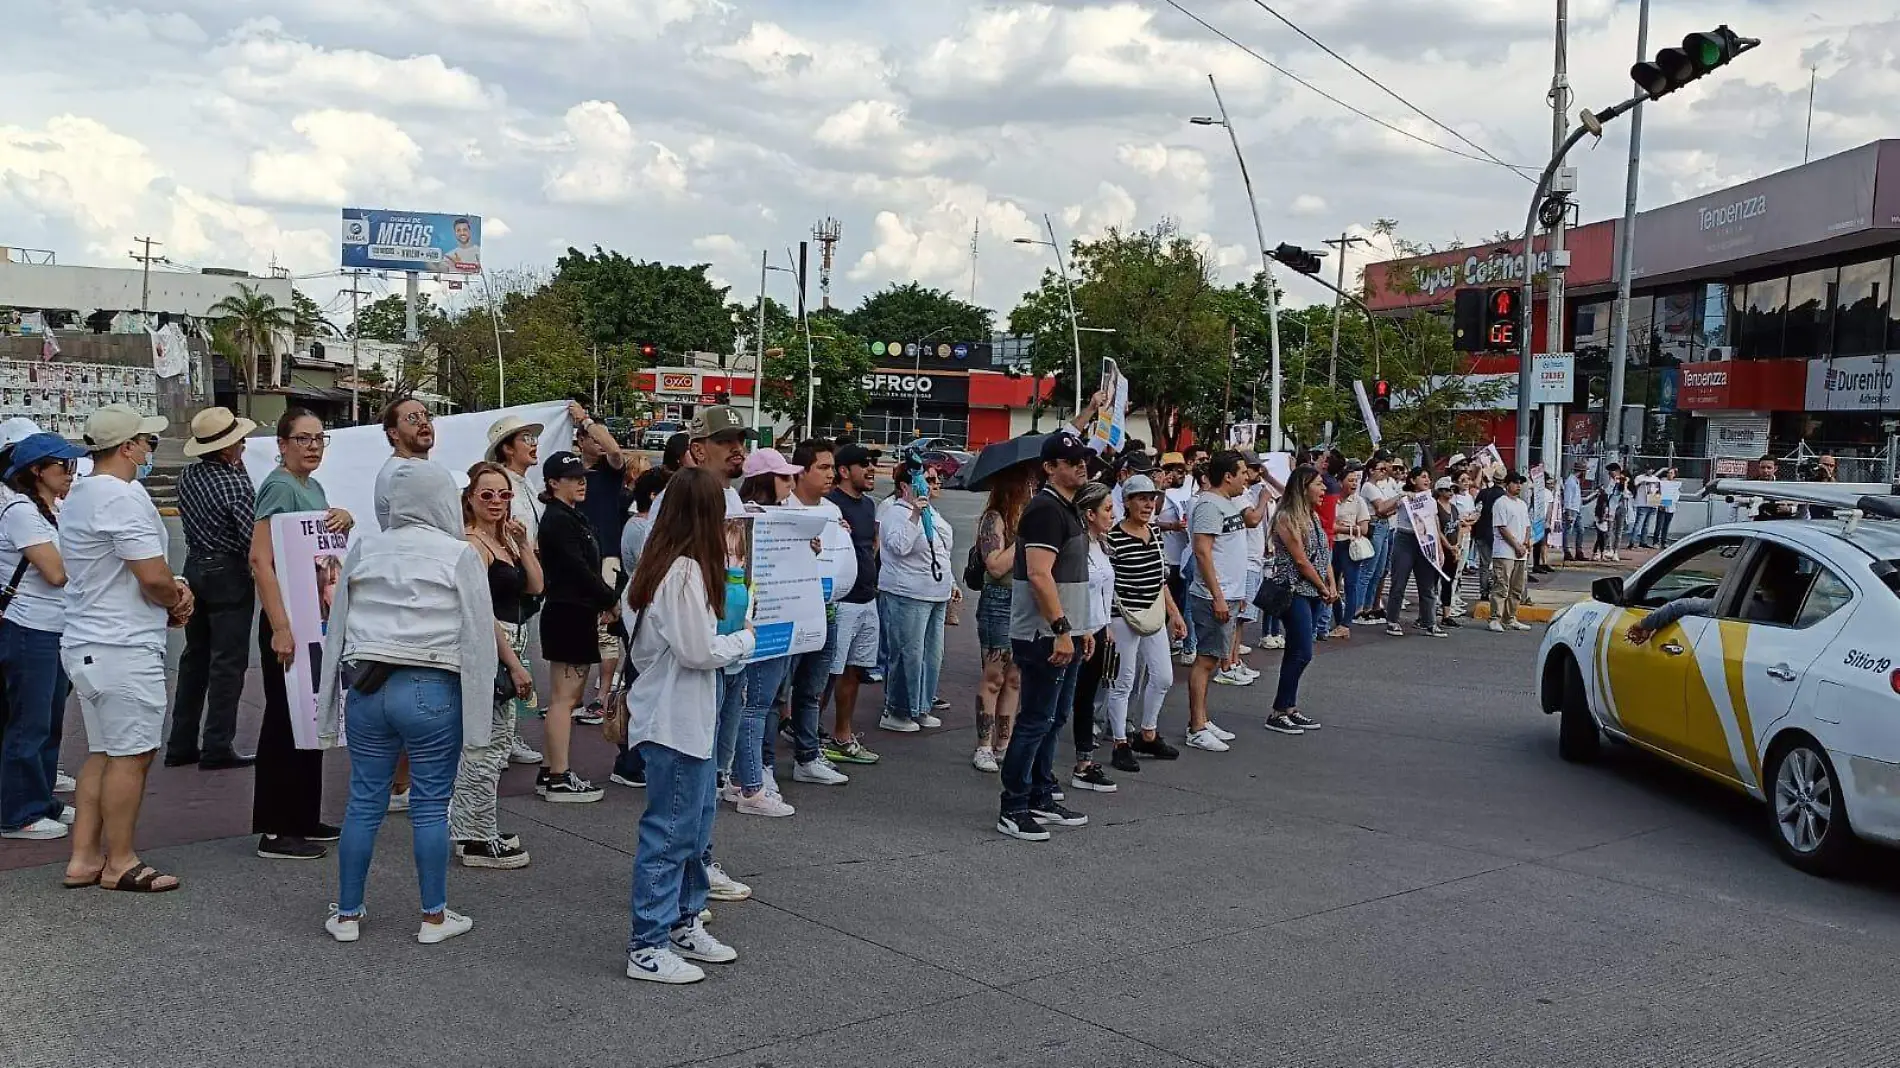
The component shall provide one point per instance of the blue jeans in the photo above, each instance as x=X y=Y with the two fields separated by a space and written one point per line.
x=669 y=878
x=1645 y=517
x=731 y=714
x=1299 y=651
x=418 y=711
x=1573 y=533
x=1371 y=571
x=1029 y=779
x=811 y=676
x=913 y=639
x=35 y=714
x=1348 y=571
x=760 y=720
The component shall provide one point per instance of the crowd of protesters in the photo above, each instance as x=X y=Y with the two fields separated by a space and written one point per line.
x=1093 y=577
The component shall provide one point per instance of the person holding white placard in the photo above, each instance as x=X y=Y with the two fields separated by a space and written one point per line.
x=1410 y=562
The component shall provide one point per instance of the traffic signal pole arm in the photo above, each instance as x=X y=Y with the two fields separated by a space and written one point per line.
x=1372 y=321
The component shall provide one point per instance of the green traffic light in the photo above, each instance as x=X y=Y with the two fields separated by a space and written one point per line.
x=1706 y=51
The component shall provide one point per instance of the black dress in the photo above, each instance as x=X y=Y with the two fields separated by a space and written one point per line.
x=289 y=791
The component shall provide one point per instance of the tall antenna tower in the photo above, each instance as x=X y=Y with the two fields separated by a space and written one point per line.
x=826 y=234
x=976 y=234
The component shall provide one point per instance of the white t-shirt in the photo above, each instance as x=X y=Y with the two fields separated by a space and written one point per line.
x=1383 y=489
x=106 y=523
x=1257 y=535
x=1101 y=586
x=1175 y=504
x=1512 y=514
x=37 y=604
x=1223 y=518
x=843 y=557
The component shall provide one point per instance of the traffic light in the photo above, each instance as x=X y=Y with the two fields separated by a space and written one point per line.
x=1500 y=320
x=648 y=351
x=1297 y=258
x=1381 y=397
x=1700 y=53
x=1467 y=321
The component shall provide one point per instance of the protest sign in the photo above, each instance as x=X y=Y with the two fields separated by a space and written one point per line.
x=1422 y=510
x=356 y=453
x=1489 y=457
x=309 y=563
x=1110 y=429
x=1365 y=411
x=1279 y=465
x=785 y=576
x=1671 y=492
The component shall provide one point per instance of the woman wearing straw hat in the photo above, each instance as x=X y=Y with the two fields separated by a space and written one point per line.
x=216 y=506
x=515 y=444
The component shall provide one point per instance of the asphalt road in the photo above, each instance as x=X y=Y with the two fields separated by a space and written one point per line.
x=1422 y=882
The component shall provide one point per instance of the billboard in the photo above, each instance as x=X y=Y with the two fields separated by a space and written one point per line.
x=380 y=240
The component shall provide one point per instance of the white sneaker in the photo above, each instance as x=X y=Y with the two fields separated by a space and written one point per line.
x=399 y=802
x=1274 y=641
x=764 y=803
x=1494 y=627
x=661 y=965
x=694 y=942
x=64 y=783
x=453 y=923
x=1245 y=649
x=900 y=724
x=1247 y=672
x=1208 y=740
x=1223 y=734
x=519 y=753
x=40 y=830
x=344 y=930
x=927 y=721
x=984 y=760
x=723 y=887
x=1518 y=624
x=1185 y=659
x=67 y=813
x=819 y=772
x=730 y=793
x=1233 y=676
x=771 y=783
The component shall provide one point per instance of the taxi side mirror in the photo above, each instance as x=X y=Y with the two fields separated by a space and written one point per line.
x=1608 y=590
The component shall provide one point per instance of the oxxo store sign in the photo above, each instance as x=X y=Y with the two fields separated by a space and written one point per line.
x=1852 y=384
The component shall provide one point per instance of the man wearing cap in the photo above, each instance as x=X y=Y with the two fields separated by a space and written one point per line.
x=859 y=629
x=1049 y=595
x=216 y=505
x=120 y=597
x=515 y=444
x=1510 y=554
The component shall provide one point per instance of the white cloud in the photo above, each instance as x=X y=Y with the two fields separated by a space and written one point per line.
x=571 y=20
x=784 y=62
x=607 y=164
x=859 y=122
x=260 y=61
x=346 y=155
x=493 y=227
x=720 y=246
x=1308 y=205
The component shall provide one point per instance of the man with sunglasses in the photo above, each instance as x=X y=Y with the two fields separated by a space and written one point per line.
x=216 y=505
x=121 y=596
x=411 y=433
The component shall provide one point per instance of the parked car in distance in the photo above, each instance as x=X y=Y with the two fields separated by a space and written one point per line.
x=951 y=459
x=656 y=433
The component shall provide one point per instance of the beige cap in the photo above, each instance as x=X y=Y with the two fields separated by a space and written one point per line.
x=116 y=424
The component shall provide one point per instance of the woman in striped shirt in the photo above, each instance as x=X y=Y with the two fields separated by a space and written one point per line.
x=1140 y=588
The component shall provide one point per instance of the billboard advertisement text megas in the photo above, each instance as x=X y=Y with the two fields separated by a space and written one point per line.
x=381 y=240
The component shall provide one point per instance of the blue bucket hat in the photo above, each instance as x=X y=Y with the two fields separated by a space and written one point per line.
x=41 y=447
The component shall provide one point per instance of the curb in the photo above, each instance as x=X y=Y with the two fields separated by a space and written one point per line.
x=1529 y=613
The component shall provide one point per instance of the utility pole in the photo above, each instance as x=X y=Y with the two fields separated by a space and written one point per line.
x=356 y=351
x=758 y=410
x=1346 y=241
x=1554 y=322
x=145 y=275
x=1807 y=140
x=1266 y=262
x=1625 y=248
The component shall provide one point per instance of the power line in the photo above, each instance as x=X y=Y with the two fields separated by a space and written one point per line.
x=1216 y=31
x=1387 y=90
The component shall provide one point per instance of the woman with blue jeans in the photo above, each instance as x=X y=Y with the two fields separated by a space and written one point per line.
x=915 y=582
x=768 y=482
x=413 y=649
x=1352 y=519
x=39 y=472
x=673 y=613
x=1381 y=491
x=1302 y=561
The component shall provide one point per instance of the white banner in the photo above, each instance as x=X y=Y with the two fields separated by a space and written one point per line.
x=1110 y=430
x=786 y=579
x=356 y=453
x=309 y=566
x=1422 y=510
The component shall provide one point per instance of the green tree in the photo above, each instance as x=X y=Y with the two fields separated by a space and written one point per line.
x=621 y=301
x=385 y=319
x=543 y=350
x=311 y=322
x=253 y=318
x=910 y=311
x=839 y=359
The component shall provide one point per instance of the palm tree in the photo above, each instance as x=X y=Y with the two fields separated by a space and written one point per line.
x=252 y=317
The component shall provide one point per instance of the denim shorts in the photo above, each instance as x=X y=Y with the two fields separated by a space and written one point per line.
x=1211 y=638
x=992 y=617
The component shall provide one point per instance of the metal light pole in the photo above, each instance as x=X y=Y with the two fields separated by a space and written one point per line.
x=758 y=361
x=1068 y=289
x=1625 y=250
x=917 y=372
x=1266 y=261
x=501 y=369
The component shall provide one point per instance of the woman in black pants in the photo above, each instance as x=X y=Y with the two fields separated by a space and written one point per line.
x=1410 y=563
x=1098 y=515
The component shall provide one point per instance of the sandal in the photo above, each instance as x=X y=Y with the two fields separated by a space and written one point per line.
x=139 y=880
x=81 y=882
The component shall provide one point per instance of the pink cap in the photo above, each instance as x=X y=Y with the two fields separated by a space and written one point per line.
x=769 y=462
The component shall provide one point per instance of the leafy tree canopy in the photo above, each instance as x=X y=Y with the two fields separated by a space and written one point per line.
x=910 y=311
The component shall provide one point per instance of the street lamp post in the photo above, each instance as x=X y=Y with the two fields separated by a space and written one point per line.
x=1068 y=290
x=917 y=374
x=1266 y=261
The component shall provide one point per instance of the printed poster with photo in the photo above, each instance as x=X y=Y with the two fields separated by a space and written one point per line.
x=309 y=567
x=1110 y=429
x=1422 y=510
x=786 y=578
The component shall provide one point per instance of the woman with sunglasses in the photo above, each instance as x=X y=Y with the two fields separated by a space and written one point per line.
x=1409 y=562
x=39 y=472
x=514 y=572
x=914 y=584
x=285 y=807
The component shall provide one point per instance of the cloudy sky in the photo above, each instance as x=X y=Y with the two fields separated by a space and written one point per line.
x=708 y=130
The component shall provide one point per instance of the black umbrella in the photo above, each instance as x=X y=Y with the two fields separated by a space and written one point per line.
x=1002 y=456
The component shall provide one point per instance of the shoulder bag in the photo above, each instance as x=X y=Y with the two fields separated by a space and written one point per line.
x=12 y=588
x=614 y=727
x=1143 y=621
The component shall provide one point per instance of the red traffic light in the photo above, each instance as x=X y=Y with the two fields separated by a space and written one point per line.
x=648 y=350
x=1382 y=388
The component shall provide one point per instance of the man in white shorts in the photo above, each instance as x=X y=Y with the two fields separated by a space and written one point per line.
x=858 y=626
x=120 y=597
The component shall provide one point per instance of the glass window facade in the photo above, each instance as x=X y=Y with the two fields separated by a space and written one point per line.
x=1763 y=319
x=1810 y=322
x=1862 y=300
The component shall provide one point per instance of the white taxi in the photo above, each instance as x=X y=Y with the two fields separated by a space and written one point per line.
x=1788 y=686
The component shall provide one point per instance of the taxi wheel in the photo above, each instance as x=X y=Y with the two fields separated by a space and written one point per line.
x=1807 y=813
x=1578 y=739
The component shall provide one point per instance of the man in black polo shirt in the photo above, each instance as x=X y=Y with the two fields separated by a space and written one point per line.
x=1048 y=602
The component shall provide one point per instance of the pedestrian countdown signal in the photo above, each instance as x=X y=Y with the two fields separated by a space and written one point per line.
x=1501 y=315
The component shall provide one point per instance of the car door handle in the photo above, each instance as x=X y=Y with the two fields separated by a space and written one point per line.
x=1782 y=672
x=1672 y=648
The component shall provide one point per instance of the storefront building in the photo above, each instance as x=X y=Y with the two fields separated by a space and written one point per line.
x=1762 y=313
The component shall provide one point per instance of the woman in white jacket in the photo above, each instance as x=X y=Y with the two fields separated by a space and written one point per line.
x=674 y=604
x=915 y=581
x=412 y=648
